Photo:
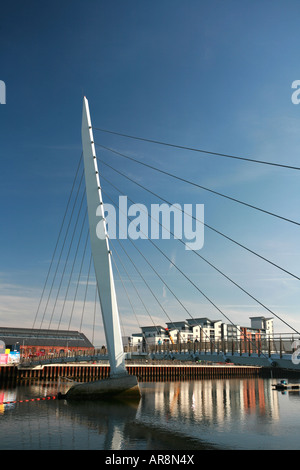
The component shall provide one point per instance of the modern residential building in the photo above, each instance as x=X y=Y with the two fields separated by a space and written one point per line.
x=134 y=341
x=179 y=332
x=264 y=324
x=155 y=334
x=205 y=330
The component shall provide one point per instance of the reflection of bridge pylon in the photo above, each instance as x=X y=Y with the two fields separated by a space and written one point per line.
x=120 y=381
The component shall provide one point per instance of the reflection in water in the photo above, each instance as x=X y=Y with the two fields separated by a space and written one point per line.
x=211 y=400
x=184 y=415
x=108 y=418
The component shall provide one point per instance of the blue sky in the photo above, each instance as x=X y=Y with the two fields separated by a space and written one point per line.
x=212 y=75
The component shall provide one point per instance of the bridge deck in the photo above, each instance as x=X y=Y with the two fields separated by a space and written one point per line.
x=283 y=361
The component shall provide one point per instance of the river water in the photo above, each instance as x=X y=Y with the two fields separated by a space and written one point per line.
x=188 y=415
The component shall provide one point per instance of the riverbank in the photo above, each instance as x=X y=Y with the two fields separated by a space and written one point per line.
x=235 y=413
x=85 y=372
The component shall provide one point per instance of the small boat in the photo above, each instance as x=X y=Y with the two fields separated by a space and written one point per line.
x=284 y=385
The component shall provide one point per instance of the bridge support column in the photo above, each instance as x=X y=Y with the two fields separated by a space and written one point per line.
x=100 y=249
x=101 y=253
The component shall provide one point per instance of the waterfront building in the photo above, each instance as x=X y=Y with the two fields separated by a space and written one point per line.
x=155 y=334
x=133 y=342
x=205 y=330
x=263 y=324
x=179 y=332
x=41 y=342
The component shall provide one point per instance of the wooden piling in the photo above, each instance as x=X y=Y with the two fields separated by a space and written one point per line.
x=146 y=372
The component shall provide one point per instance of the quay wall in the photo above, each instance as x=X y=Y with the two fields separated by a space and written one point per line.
x=144 y=372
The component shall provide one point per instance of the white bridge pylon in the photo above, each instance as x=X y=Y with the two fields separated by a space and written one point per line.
x=100 y=249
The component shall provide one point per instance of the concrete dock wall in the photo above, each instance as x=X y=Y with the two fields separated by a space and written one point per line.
x=144 y=372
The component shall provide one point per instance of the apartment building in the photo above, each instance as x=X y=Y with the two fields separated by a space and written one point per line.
x=203 y=329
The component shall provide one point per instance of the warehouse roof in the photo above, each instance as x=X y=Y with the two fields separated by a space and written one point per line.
x=44 y=337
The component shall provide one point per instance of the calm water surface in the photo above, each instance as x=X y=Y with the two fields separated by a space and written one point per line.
x=200 y=414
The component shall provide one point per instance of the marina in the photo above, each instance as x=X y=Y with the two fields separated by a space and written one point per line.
x=149 y=275
x=89 y=372
x=283 y=385
x=206 y=414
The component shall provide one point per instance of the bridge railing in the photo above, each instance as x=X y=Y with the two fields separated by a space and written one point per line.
x=90 y=355
x=280 y=345
x=277 y=344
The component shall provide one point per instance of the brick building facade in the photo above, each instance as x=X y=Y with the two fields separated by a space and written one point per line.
x=41 y=342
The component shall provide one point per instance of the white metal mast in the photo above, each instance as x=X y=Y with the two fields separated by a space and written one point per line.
x=100 y=249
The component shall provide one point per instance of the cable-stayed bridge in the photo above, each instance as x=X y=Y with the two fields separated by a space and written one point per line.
x=161 y=270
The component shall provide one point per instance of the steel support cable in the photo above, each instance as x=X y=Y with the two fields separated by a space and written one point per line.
x=167 y=286
x=86 y=290
x=137 y=292
x=157 y=300
x=132 y=282
x=220 y=272
x=95 y=307
x=128 y=296
x=120 y=316
x=201 y=187
x=134 y=265
x=62 y=248
x=197 y=220
x=152 y=269
x=126 y=292
x=204 y=259
x=57 y=241
x=163 y=309
x=67 y=258
x=72 y=269
x=78 y=279
x=181 y=147
x=198 y=289
x=155 y=271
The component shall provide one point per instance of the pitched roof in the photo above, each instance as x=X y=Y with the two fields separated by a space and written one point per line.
x=44 y=337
